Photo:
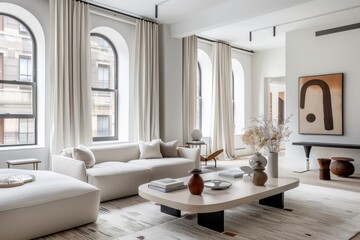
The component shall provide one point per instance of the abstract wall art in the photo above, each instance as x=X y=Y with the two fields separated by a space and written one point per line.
x=321 y=104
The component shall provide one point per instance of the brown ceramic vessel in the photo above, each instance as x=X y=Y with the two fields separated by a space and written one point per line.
x=196 y=183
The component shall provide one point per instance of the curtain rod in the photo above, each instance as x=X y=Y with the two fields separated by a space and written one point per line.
x=238 y=48
x=115 y=11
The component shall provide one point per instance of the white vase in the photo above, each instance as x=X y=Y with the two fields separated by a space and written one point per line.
x=272 y=168
x=257 y=157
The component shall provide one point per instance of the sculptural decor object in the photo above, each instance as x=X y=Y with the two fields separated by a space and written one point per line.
x=321 y=104
x=196 y=183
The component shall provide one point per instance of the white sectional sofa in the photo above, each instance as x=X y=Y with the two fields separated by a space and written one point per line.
x=118 y=171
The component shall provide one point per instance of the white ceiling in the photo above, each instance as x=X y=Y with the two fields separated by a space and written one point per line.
x=232 y=20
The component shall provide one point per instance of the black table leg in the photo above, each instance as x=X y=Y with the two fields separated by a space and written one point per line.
x=307 y=150
x=171 y=211
x=276 y=201
x=213 y=220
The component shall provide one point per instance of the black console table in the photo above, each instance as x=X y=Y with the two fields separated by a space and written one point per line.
x=308 y=145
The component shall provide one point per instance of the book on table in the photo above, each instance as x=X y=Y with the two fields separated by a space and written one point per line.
x=232 y=173
x=167 y=183
x=169 y=189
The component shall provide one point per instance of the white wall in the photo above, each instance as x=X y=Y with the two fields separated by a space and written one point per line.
x=266 y=64
x=335 y=53
x=170 y=58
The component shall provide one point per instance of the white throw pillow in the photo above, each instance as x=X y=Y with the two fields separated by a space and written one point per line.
x=169 y=149
x=67 y=152
x=150 y=149
x=84 y=154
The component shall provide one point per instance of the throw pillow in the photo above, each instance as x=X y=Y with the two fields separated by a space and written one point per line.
x=67 y=152
x=169 y=149
x=84 y=154
x=150 y=150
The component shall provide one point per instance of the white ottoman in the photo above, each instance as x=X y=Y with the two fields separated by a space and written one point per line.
x=52 y=203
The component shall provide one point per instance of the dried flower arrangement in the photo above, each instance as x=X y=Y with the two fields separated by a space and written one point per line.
x=269 y=133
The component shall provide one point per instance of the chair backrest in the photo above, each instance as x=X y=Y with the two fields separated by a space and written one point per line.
x=116 y=153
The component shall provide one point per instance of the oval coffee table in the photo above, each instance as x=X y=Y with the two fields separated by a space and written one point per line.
x=210 y=205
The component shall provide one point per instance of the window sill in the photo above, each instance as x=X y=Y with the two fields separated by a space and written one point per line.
x=17 y=148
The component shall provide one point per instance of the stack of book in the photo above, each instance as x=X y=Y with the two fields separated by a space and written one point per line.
x=232 y=173
x=167 y=185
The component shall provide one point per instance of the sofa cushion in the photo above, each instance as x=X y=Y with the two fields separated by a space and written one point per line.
x=150 y=149
x=166 y=167
x=84 y=154
x=169 y=149
x=116 y=153
x=117 y=179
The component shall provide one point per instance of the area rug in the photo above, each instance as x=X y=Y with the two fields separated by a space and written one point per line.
x=311 y=212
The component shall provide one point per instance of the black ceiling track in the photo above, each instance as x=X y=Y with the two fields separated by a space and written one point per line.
x=337 y=29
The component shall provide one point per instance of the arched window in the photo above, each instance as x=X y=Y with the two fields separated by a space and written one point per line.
x=238 y=96
x=18 y=99
x=104 y=82
x=204 y=93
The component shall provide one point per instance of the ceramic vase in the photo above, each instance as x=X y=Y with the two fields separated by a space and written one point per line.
x=272 y=168
x=196 y=183
x=259 y=176
x=257 y=157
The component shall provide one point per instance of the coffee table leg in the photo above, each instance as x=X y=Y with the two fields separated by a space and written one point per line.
x=171 y=211
x=276 y=201
x=213 y=220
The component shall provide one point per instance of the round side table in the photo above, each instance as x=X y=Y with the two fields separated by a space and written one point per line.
x=342 y=166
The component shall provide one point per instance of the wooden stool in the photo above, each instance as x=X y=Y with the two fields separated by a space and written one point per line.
x=342 y=166
x=324 y=164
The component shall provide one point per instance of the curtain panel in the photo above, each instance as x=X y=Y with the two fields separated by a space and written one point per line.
x=222 y=134
x=70 y=84
x=146 y=81
x=189 y=72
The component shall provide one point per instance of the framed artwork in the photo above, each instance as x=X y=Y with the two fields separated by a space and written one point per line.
x=321 y=104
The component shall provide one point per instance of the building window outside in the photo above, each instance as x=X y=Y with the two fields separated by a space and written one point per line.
x=23 y=30
x=103 y=76
x=17 y=84
x=25 y=68
x=104 y=88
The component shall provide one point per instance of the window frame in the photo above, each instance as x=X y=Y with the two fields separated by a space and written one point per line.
x=113 y=90
x=18 y=82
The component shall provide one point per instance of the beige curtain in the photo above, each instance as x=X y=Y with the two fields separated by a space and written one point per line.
x=70 y=78
x=189 y=72
x=146 y=81
x=222 y=134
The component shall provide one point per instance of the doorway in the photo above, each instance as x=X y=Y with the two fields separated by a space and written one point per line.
x=275 y=92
